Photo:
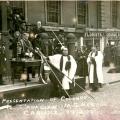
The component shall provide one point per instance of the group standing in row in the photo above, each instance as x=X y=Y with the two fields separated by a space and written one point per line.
x=84 y=64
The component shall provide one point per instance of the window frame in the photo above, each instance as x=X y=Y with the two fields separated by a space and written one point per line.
x=85 y=13
x=114 y=13
x=99 y=16
x=59 y=16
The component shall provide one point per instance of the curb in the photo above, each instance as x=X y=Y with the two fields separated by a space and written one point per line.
x=117 y=81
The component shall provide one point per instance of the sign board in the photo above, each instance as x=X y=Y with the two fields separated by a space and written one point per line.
x=93 y=34
x=52 y=28
x=99 y=34
x=113 y=35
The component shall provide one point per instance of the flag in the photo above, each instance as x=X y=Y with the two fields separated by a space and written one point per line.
x=56 y=75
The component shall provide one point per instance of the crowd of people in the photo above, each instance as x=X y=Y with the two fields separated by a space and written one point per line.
x=85 y=64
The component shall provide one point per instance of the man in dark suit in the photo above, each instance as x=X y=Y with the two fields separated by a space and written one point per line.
x=24 y=50
x=24 y=47
x=82 y=69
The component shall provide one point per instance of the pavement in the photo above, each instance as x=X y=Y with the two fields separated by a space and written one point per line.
x=104 y=106
x=110 y=78
x=31 y=90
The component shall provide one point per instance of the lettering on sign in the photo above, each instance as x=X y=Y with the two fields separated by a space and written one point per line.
x=102 y=34
x=93 y=34
x=113 y=35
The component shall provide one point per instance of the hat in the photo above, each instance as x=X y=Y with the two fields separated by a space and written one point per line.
x=64 y=48
x=38 y=22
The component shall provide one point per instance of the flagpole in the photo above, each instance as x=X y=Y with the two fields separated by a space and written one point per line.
x=57 y=38
x=81 y=41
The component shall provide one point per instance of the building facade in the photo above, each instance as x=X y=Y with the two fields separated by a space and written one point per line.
x=94 y=23
x=92 y=20
x=99 y=18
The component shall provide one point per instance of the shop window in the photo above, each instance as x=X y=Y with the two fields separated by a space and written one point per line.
x=53 y=11
x=81 y=12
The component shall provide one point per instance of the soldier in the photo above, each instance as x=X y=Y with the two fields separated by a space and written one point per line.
x=24 y=47
x=24 y=50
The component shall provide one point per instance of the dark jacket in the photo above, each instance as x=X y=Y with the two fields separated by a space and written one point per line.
x=81 y=58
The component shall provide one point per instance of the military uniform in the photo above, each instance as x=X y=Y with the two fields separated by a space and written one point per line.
x=23 y=47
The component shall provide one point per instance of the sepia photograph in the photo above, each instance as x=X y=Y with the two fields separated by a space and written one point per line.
x=59 y=60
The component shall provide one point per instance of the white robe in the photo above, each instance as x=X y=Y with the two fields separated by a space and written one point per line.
x=55 y=60
x=99 y=62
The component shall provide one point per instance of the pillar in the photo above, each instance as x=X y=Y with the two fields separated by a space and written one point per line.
x=4 y=39
x=71 y=40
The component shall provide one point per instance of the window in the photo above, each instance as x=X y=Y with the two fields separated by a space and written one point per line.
x=18 y=6
x=81 y=12
x=53 y=11
x=0 y=17
x=99 y=20
x=114 y=13
x=15 y=7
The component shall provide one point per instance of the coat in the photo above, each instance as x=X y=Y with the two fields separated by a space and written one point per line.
x=108 y=56
x=23 y=46
x=55 y=60
x=91 y=67
x=82 y=69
